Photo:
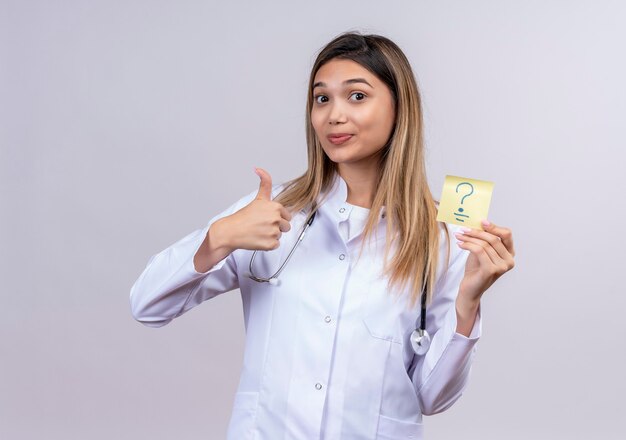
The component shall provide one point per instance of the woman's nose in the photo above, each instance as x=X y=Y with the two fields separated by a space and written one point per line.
x=337 y=114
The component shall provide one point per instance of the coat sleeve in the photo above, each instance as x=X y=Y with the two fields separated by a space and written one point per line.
x=441 y=375
x=170 y=285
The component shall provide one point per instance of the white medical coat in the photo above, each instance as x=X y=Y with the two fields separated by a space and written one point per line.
x=327 y=351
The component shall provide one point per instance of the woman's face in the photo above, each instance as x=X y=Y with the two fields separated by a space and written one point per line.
x=350 y=100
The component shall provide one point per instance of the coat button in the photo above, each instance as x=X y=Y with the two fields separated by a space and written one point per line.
x=327 y=319
x=342 y=210
x=342 y=256
x=318 y=386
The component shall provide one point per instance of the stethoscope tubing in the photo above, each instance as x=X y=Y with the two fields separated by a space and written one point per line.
x=282 y=266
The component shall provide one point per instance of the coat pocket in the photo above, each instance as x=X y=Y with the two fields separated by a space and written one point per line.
x=394 y=429
x=241 y=424
x=381 y=329
x=384 y=314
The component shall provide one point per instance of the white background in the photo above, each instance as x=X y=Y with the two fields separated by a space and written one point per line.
x=125 y=125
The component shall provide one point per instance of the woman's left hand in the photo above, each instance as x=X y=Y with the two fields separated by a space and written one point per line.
x=491 y=255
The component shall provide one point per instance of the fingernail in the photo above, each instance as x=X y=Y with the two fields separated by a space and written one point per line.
x=486 y=223
x=464 y=229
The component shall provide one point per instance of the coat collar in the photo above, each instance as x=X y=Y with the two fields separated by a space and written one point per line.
x=336 y=204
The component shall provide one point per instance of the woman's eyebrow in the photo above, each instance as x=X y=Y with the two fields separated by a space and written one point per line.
x=346 y=82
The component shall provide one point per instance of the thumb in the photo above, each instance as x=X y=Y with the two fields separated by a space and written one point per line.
x=265 y=187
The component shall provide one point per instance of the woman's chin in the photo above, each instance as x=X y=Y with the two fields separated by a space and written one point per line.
x=349 y=158
x=341 y=159
x=340 y=156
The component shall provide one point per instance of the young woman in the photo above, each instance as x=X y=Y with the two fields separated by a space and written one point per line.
x=334 y=347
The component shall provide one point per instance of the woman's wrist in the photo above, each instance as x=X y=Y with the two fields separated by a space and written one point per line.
x=466 y=313
x=215 y=247
x=218 y=237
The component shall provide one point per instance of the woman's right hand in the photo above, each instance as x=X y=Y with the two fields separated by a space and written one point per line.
x=258 y=225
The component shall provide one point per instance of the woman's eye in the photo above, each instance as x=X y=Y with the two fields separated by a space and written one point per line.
x=360 y=96
x=319 y=97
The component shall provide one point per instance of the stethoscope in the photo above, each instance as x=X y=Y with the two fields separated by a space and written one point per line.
x=420 y=339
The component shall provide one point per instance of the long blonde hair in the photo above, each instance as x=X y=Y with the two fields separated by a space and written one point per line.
x=402 y=185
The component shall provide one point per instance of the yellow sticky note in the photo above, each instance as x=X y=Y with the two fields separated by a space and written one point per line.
x=464 y=201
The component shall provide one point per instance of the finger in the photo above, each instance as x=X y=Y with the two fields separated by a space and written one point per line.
x=265 y=186
x=285 y=213
x=479 y=251
x=284 y=225
x=493 y=240
x=505 y=234
x=493 y=259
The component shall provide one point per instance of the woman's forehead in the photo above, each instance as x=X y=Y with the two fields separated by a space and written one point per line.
x=342 y=70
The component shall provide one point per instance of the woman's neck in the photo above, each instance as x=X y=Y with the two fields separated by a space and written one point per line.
x=361 y=183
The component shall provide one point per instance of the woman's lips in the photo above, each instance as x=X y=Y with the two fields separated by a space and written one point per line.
x=337 y=140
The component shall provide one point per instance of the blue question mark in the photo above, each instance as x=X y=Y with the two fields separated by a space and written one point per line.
x=459 y=213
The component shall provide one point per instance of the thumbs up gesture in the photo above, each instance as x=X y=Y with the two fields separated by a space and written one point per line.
x=260 y=224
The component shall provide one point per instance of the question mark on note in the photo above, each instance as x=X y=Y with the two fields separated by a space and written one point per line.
x=459 y=214
x=464 y=201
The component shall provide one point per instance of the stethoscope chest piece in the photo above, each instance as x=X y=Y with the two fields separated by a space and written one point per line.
x=420 y=341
